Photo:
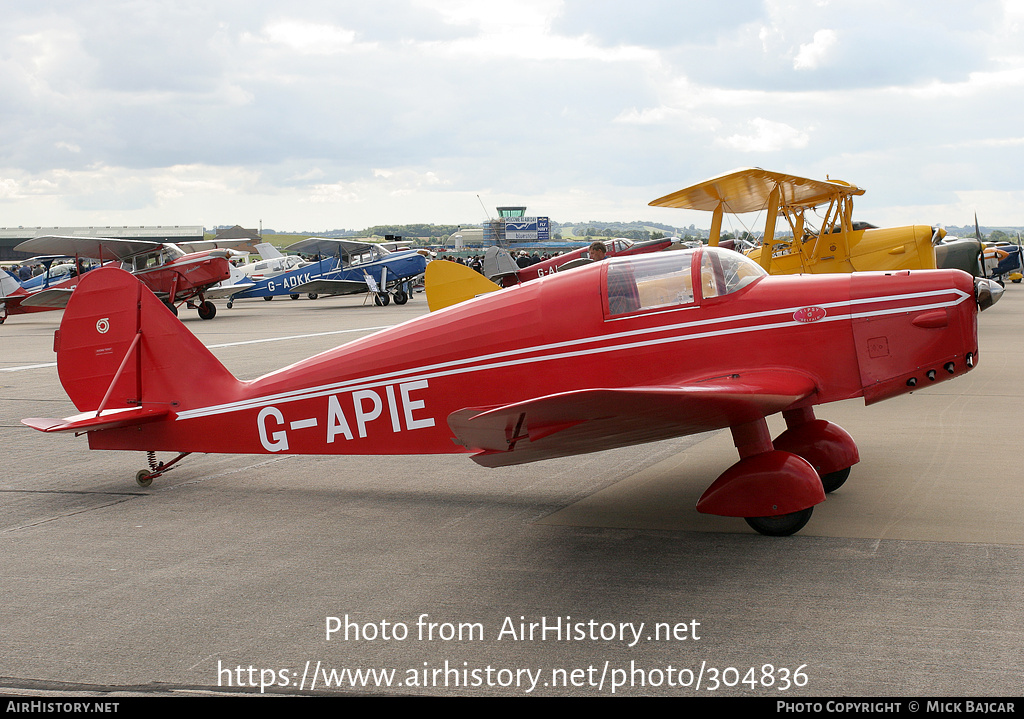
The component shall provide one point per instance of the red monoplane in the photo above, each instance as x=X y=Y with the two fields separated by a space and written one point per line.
x=620 y=352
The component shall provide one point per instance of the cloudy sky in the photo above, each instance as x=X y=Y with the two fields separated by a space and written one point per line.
x=313 y=115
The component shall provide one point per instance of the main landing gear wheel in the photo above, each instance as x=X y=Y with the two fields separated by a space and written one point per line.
x=172 y=308
x=142 y=478
x=781 y=525
x=207 y=310
x=312 y=295
x=401 y=298
x=382 y=299
x=834 y=480
x=294 y=297
x=268 y=298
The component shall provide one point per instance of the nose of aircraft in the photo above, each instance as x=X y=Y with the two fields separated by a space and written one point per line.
x=986 y=292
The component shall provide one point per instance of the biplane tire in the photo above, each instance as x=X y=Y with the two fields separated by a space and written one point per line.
x=207 y=310
x=231 y=303
x=142 y=478
x=294 y=297
x=834 y=480
x=268 y=298
x=401 y=298
x=781 y=525
x=382 y=299
x=312 y=295
x=1016 y=282
x=172 y=308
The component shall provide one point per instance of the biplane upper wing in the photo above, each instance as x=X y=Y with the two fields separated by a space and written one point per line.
x=327 y=246
x=202 y=245
x=94 y=247
x=590 y=420
x=748 y=190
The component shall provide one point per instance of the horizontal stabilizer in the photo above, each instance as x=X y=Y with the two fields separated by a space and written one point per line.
x=89 y=422
x=591 y=420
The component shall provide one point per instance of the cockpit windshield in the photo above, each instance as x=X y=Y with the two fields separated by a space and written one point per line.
x=666 y=279
x=723 y=271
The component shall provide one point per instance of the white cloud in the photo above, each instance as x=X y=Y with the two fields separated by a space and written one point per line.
x=813 y=54
x=766 y=136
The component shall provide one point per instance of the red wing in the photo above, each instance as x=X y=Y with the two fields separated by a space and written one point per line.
x=591 y=420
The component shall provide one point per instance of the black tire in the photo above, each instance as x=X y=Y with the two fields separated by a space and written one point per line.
x=382 y=299
x=142 y=478
x=207 y=310
x=268 y=298
x=172 y=308
x=782 y=525
x=401 y=298
x=294 y=297
x=834 y=480
x=231 y=303
x=1016 y=282
x=312 y=295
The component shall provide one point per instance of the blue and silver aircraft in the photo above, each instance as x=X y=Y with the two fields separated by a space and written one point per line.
x=363 y=267
x=338 y=267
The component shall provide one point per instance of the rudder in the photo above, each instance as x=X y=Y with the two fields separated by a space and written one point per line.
x=108 y=312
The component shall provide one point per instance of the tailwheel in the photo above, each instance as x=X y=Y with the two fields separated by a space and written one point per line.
x=781 y=525
x=834 y=480
x=143 y=478
x=231 y=303
x=401 y=298
x=207 y=310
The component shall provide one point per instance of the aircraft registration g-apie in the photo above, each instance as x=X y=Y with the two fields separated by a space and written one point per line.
x=619 y=352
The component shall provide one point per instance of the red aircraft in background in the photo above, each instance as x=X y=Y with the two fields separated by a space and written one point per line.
x=620 y=352
x=510 y=274
x=174 y=275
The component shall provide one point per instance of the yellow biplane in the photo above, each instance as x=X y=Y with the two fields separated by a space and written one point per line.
x=817 y=243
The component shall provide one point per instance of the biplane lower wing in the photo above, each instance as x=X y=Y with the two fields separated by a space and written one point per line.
x=218 y=292
x=596 y=419
x=331 y=287
x=53 y=297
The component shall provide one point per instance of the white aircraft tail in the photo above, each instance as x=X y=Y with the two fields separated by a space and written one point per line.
x=8 y=284
x=267 y=251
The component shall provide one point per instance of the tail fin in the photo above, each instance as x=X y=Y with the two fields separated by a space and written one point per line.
x=267 y=251
x=8 y=284
x=449 y=283
x=118 y=346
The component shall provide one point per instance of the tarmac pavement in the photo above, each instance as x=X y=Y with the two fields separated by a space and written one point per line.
x=227 y=571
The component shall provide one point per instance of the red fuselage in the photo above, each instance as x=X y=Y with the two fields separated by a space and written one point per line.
x=616 y=325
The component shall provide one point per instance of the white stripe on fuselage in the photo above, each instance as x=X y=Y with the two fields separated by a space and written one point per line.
x=515 y=357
